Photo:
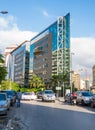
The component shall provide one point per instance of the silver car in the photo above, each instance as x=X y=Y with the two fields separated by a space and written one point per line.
x=4 y=104
x=84 y=97
x=48 y=95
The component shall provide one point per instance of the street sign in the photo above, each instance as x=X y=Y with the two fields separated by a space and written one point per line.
x=58 y=88
x=67 y=91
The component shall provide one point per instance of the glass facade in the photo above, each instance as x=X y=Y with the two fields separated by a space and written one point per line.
x=20 y=64
x=50 y=49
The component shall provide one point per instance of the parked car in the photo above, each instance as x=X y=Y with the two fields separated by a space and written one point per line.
x=84 y=97
x=12 y=95
x=48 y=95
x=28 y=96
x=39 y=94
x=4 y=104
x=93 y=101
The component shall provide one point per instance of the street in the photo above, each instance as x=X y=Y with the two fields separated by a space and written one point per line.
x=38 y=115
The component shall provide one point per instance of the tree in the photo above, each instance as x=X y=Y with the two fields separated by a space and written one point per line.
x=1 y=58
x=64 y=77
x=36 y=82
x=6 y=85
x=3 y=71
x=58 y=80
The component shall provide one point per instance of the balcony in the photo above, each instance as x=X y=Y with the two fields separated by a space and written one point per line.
x=38 y=50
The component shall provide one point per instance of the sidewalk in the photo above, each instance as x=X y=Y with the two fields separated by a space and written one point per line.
x=60 y=99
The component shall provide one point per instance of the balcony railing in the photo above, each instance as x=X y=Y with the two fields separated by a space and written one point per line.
x=38 y=50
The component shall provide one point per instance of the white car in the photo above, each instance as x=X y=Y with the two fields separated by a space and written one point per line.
x=28 y=96
x=4 y=103
x=48 y=95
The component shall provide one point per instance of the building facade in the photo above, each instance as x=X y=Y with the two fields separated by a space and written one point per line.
x=50 y=50
x=20 y=64
x=76 y=80
x=8 y=51
x=93 y=71
x=92 y=87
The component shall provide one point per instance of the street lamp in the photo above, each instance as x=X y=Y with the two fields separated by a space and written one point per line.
x=71 y=71
x=63 y=88
x=4 y=12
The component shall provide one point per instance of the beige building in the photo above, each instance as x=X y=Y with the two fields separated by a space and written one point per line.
x=92 y=88
x=82 y=84
x=93 y=71
x=76 y=80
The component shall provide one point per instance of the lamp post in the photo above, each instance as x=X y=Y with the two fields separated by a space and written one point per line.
x=10 y=84
x=71 y=70
x=63 y=88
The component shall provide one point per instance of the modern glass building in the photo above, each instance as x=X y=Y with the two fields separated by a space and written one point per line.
x=50 y=50
x=20 y=64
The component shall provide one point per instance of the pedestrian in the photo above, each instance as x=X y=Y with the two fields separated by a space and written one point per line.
x=18 y=98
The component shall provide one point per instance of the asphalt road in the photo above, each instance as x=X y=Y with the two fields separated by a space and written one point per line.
x=37 y=115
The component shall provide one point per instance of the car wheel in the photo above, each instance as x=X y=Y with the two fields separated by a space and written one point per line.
x=42 y=100
x=77 y=103
x=8 y=108
x=82 y=102
x=65 y=101
x=5 y=114
x=92 y=105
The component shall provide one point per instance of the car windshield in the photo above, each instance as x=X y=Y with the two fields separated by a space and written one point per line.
x=27 y=93
x=2 y=97
x=87 y=94
x=9 y=93
x=40 y=92
x=49 y=92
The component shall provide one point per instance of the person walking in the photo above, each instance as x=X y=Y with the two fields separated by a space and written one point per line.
x=18 y=98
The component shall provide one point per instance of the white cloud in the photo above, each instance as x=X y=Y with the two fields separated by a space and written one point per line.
x=84 y=49
x=45 y=13
x=14 y=36
x=3 y=23
x=10 y=33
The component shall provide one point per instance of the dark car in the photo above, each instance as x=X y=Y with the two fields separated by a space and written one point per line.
x=12 y=95
x=39 y=94
x=93 y=101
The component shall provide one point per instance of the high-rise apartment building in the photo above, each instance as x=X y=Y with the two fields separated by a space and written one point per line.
x=47 y=54
x=50 y=50
x=20 y=64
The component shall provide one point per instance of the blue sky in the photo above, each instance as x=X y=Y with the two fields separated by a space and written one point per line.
x=35 y=15
x=26 y=18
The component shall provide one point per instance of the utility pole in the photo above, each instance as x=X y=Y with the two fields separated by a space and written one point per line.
x=71 y=71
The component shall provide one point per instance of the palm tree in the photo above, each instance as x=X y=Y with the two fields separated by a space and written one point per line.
x=60 y=79
x=36 y=82
x=1 y=58
x=3 y=71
